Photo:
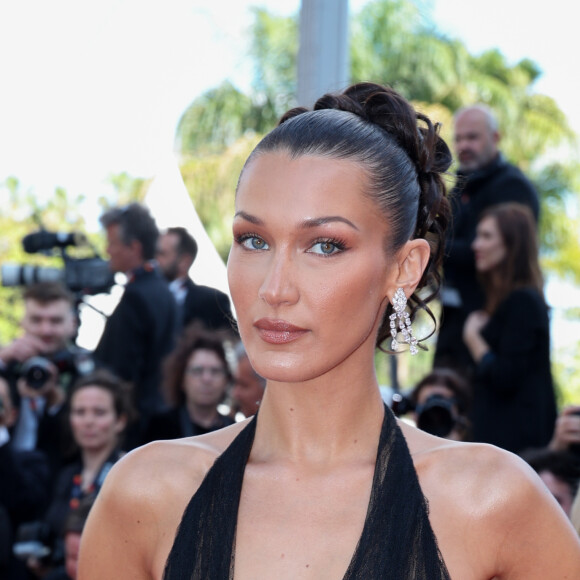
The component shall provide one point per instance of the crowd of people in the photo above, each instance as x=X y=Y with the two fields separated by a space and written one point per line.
x=165 y=367
x=172 y=362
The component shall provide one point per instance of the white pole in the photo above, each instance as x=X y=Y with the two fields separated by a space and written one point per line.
x=323 y=53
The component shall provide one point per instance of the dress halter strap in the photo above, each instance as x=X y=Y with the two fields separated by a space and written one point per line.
x=397 y=541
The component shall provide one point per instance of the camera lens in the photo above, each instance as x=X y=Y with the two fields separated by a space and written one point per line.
x=436 y=416
x=36 y=371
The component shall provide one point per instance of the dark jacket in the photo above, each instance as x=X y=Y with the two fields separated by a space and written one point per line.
x=24 y=495
x=514 y=404
x=207 y=305
x=499 y=182
x=175 y=423
x=138 y=335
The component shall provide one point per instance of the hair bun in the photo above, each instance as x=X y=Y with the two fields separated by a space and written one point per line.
x=405 y=159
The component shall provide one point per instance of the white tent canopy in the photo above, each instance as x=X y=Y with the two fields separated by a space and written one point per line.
x=171 y=206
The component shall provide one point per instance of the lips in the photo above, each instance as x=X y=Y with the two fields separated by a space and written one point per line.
x=278 y=331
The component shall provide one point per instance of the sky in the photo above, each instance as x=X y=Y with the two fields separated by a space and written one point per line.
x=91 y=89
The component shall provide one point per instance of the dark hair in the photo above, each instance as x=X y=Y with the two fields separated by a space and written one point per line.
x=47 y=293
x=520 y=267
x=402 y=154
x=446 y=377
x=564 y=464
x=194 y=337
x=135 y=224
x=186 y=243
x=120 y=391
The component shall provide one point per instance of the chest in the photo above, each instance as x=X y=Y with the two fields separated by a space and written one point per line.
x=296 y=525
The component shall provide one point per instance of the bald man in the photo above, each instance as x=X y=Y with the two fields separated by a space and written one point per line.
x=484 y=178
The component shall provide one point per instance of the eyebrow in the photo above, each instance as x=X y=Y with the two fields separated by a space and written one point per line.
x=306 y=224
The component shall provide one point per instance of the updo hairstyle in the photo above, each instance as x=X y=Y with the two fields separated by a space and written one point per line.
x=402 y=154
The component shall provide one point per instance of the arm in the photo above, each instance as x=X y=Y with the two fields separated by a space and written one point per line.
x=522 y=332
x=475 y=343
x=536 y=540
x=132 y=525
x=120 y=535
x=567 y=430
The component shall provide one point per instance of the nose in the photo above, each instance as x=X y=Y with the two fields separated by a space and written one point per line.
x=279 y=285
x=46 y=328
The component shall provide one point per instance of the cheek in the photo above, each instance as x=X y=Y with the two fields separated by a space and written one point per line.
x=243 y=279
x=106 y=424
x=76 y=423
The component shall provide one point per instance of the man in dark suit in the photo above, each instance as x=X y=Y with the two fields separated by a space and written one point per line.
x=141 y=330
x=176 y=252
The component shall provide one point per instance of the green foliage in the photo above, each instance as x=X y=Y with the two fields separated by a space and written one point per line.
x=128 y=189
x=211 y=182
x=221 y=116
x=21 y=212
x=274 y=51
x=566 y=371
x=560 y=219
x=215 y=120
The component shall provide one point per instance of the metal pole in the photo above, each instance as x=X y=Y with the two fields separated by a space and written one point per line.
x=323 y=53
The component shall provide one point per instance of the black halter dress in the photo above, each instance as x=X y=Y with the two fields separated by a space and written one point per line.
x=397 y=541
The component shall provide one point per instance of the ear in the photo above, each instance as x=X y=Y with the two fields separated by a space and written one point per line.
x=412 y=260
x=136 y=247
x=121 y=423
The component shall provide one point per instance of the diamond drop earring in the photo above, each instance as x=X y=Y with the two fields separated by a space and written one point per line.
x=399 y=305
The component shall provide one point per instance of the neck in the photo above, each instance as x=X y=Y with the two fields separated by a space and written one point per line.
x=93 y=460
x=202 y=416
x=322 y=420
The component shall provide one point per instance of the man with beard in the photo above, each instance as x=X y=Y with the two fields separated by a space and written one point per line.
x=176 y=252
x=484 y=178
x=40 y=367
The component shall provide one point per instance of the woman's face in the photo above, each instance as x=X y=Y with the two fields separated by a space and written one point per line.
x=488 y=246
x=205 y=379
x=94 y=421
x=308 y=271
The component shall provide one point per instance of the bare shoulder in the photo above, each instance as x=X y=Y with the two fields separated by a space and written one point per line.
x=491 y=512
x=177 y=466
x=139 y=508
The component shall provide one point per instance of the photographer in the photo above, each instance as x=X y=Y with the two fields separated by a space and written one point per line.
x=40 y=366
x=24 y=487
x=441 y=402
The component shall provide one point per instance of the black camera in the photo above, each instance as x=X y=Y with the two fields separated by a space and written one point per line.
x=36 y=370
x=436 y=415
x=90 y=275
